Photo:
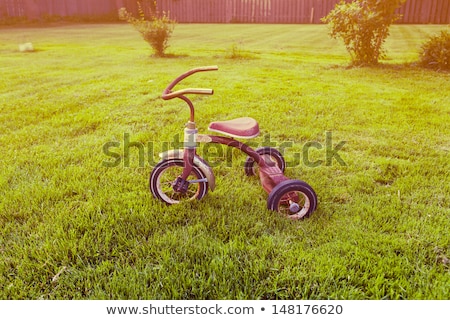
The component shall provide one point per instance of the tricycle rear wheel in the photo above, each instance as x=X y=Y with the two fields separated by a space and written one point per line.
x=271 y=154
x=294 y=198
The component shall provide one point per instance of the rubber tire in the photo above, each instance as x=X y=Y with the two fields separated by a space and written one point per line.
x=160 y=169
x=288 y=186
x=249 y=166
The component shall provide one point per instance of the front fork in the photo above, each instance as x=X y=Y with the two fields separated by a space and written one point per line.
x=190 y=146
x=181 y=184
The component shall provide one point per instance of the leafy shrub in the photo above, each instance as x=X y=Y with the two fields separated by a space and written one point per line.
x=156 y=30
x=436 y=52
x=363 y=25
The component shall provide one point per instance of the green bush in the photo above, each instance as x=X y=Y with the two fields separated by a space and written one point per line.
x=363 y=25
x=436 y=52
x=156 y=30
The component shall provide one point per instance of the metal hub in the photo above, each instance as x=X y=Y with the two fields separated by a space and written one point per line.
x=294 y=207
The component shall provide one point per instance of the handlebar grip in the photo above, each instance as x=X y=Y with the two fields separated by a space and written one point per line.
x=178 y=93
x=207 y=68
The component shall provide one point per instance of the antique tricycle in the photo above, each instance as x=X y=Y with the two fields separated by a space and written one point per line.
x=182 y=175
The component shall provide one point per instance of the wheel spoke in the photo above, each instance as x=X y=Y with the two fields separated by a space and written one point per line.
x=166 y=176
x=294 y=204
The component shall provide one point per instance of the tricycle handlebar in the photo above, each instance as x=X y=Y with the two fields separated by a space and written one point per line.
x=169 y=94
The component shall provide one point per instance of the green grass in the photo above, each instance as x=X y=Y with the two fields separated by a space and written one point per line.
x=72 y=228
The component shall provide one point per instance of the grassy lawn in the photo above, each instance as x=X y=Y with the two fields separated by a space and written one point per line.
x=73 y=228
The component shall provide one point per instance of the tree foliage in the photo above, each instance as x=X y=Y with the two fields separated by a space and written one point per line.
x=363 y=25
x=156 y=29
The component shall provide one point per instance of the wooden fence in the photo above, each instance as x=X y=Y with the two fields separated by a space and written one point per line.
x=215 y=11
x=248 y=11
x=426 y=11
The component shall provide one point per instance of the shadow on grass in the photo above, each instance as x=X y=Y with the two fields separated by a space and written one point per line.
x=415 y=66
x=169 y=56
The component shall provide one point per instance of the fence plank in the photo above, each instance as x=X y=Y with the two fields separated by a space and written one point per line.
x=432 y=15
x=445 y=13
x=425 y=12
x=417 y=11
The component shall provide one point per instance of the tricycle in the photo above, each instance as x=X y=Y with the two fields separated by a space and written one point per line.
x=182 y=175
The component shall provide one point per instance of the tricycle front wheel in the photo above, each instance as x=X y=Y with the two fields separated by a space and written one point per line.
x=164 y=175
